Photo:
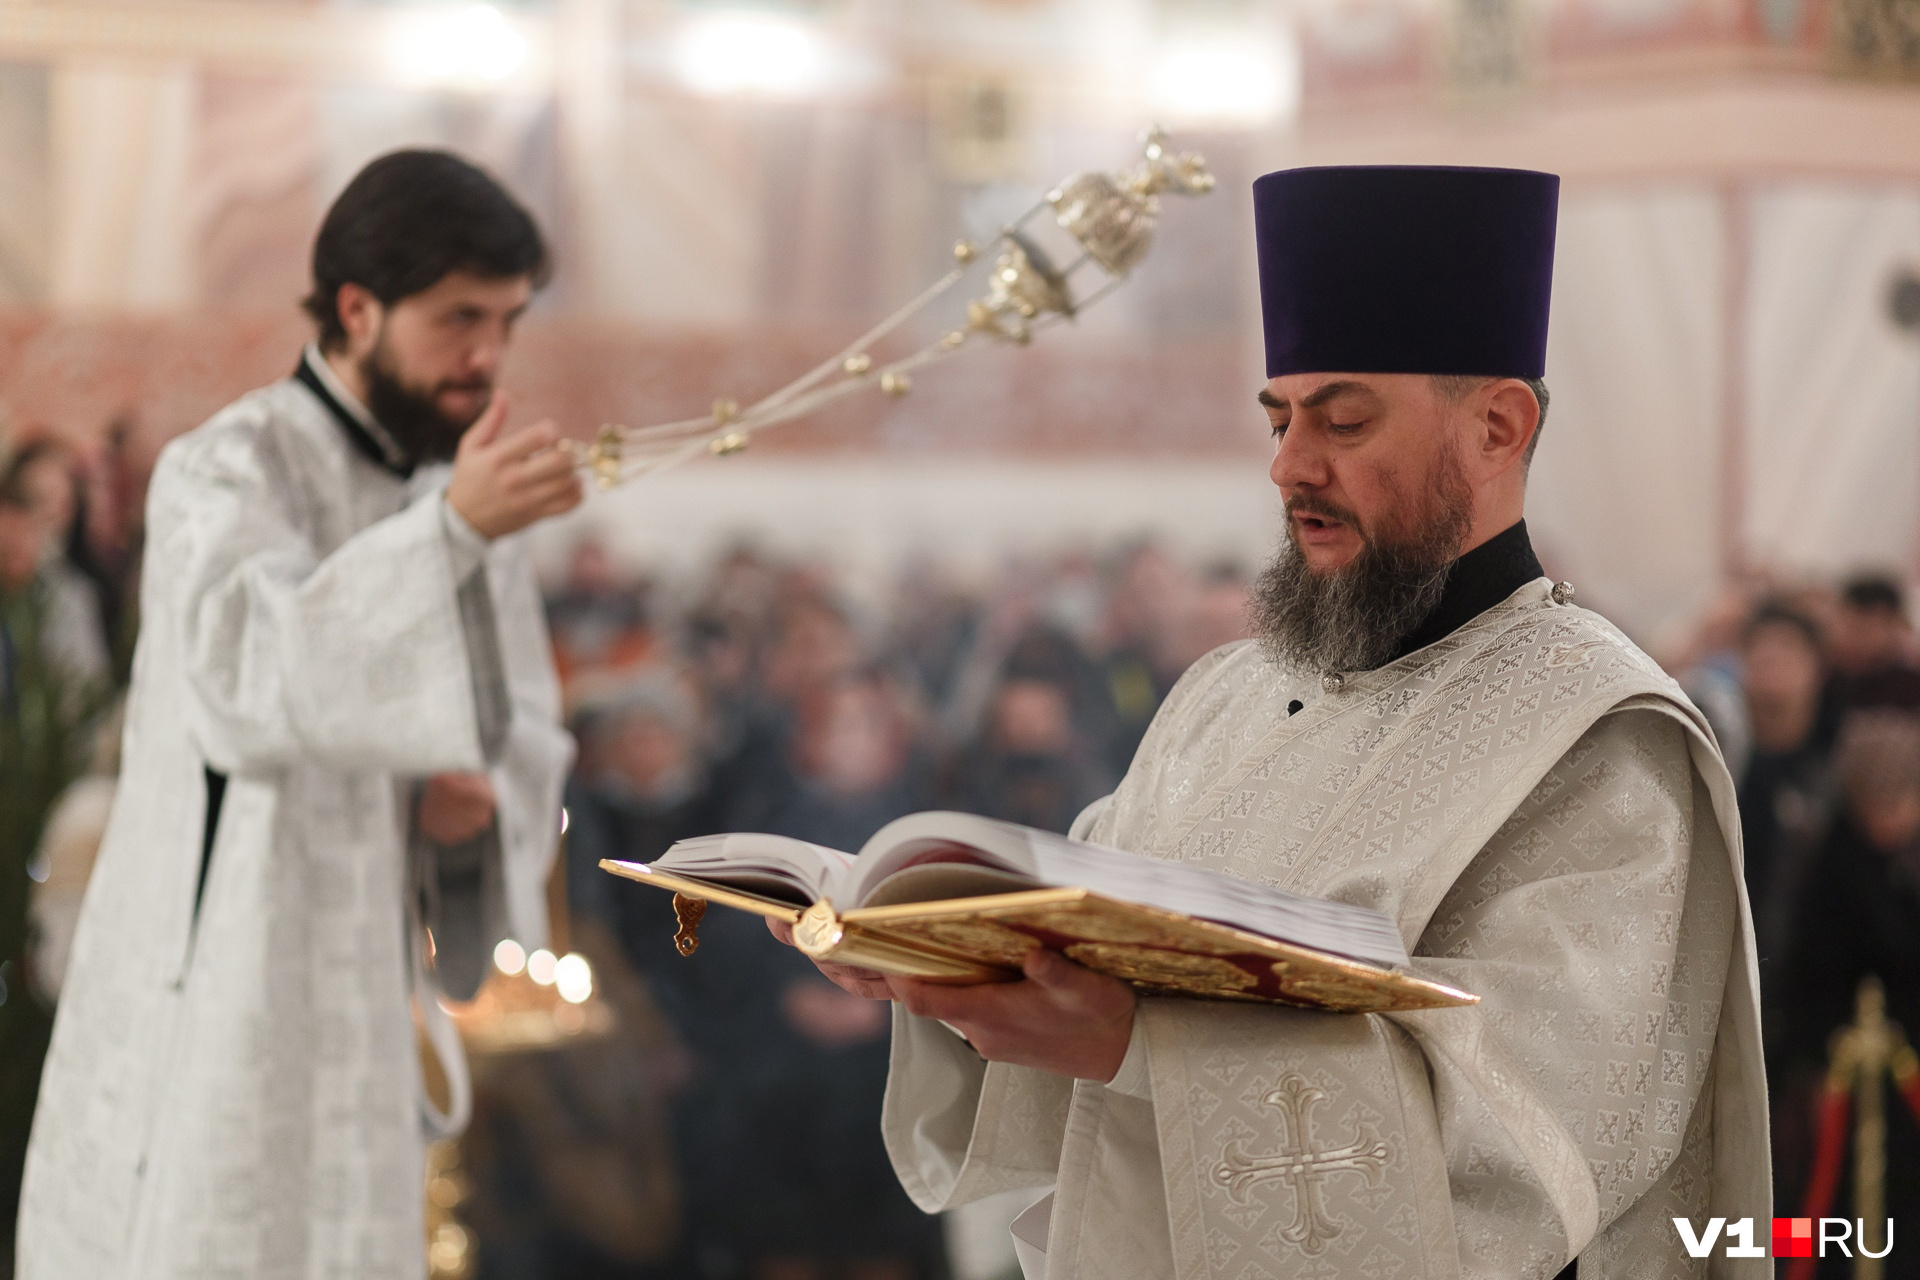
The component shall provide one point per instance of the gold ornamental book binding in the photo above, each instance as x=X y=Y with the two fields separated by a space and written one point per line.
x=982 y=939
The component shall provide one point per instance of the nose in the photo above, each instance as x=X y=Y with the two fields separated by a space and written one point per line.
x=484 y=356
x=1298 y=461
x=487 y=349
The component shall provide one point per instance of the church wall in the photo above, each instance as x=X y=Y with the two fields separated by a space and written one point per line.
x=26 y=222
x=1624 y=498
x=872 y=518
x=1832 y=442
x=122 y=148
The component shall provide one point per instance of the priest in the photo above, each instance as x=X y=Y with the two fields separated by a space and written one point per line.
x=1427 y=726
x=341 y=780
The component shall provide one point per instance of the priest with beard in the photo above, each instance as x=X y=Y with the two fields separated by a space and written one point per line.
x=341 y=781
x=1426 y=726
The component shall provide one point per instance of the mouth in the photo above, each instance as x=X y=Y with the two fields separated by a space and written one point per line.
x=1314 y=529
x=463 y=398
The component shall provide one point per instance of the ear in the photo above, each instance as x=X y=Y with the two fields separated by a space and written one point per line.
x=361 y=315
x=1511 y=416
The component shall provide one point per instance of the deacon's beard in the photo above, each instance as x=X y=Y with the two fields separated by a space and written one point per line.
x=411 y=415
x=1355 y=618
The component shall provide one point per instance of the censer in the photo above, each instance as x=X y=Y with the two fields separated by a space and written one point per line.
x=1110 y=216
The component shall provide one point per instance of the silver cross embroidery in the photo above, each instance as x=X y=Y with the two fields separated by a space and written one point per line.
x=1301 y=1167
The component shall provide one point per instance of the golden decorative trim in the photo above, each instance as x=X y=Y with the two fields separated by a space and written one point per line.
x=772 y=908
x=984 y=939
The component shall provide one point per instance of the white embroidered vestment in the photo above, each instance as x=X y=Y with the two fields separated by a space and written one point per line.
x=232 y=1089
x=1549 y=821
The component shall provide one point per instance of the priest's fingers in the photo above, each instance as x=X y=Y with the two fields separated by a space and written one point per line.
x=455 y=807
x=486 y=428
x=780 y=929
x=476 y=786
x=960 y=1005
x=1066 y=1020
x=531 y=441
x=543 y=488
x=553 y=499
x=541 y=468
x=868 y=984
x=1057 y=989
x=1077 y=987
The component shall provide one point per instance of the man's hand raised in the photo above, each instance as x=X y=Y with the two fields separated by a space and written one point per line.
x=503 y=483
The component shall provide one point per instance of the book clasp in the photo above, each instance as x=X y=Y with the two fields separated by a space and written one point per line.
x=688 y=910
x=818 y=931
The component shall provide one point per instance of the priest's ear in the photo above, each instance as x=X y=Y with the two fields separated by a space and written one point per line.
x=361 y=315
x=1513 y=412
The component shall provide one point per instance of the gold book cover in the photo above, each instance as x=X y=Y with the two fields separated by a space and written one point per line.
x=982 y=939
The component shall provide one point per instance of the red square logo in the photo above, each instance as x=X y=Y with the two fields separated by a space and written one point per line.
x=1793 y=1237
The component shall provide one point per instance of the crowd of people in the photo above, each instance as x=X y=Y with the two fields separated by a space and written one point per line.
x=740 y=1107
x=1815 y=697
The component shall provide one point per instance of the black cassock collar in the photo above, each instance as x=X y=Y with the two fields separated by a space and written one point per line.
x=357 y=434
x=1479 y=580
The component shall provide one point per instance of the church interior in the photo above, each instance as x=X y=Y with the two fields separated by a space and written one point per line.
x=968 y=586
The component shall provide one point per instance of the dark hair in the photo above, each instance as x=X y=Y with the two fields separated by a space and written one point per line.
x=406 y=222
x=1774 y=613
x=1453 y=387
x=13 y=471
x=1873 y=591
x=1878 y=756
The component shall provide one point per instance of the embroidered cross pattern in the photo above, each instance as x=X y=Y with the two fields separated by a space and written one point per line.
x=1303 y=1169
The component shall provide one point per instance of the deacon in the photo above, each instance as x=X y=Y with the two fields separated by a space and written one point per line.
x=342 y=776
x=1425 y=726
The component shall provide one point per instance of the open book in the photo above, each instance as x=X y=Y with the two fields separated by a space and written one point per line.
x=952 y=897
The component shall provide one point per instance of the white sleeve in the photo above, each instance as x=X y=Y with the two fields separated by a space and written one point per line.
x=959 y=1128
x=357 y=659
x=464 y=542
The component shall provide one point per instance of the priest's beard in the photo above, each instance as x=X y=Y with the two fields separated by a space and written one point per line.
x=411 y=413
x=1355 y=618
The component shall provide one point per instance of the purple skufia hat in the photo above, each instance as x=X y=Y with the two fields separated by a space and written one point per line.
x=1406 y=269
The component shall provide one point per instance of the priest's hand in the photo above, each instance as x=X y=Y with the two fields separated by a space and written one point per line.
x=455 y=807
x=1060 y=1018
x=868 y=984
x=503 y=483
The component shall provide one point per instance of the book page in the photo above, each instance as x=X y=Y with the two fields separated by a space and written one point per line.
x=939 y=881
x=1041 y=858
x=1338 y=927
x=936 y=837
x=775 y=866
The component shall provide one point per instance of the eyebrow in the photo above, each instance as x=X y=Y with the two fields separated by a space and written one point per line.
x=1318 y=398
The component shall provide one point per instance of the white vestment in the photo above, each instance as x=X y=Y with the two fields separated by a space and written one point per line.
x=1549 y=821
x=233 y=1088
